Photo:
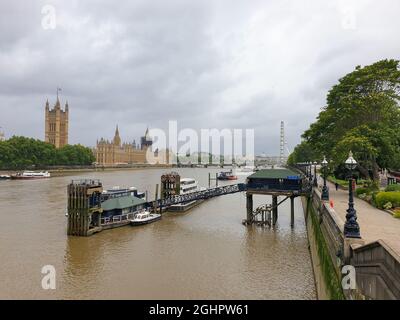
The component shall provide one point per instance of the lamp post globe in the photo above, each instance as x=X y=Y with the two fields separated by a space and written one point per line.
x=351 y=227
x=325 y=190
x=351 y=163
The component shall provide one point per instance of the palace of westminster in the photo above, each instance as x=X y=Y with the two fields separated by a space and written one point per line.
x=106 y=152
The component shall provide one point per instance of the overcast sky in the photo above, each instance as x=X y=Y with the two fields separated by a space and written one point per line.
x=207 y=64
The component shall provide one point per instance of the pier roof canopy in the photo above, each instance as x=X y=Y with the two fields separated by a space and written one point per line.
x=274 y=174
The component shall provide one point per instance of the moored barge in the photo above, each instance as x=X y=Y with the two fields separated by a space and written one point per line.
x=186 y=185
x=91 y=209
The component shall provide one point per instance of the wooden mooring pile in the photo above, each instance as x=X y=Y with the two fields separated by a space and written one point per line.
x=84 y=207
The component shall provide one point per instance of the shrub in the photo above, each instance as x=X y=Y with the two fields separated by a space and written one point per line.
x=362 y=196
x=360 y=191
x=393 y=187
x=373 y=198
x=397 y=213
x=372 y=185
x=368 y=198
x=388 y=205
x=384 y=197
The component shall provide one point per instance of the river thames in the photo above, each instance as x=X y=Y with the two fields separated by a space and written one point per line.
x=205 y=253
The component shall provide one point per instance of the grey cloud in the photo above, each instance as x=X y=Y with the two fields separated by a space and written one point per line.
x=206 y=63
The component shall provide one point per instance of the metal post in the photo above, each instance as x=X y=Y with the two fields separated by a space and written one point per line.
x=315 y=175
x=249 y=206
x=307 y=174
x=274 y=209
x=156 y=198
x=351 y=227
x=292 y=211
x=325 y=191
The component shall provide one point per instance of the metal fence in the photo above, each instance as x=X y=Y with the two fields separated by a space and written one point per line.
x=118 y=218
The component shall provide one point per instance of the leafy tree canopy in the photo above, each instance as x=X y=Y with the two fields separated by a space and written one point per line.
x=362 y=114
x=22 y=152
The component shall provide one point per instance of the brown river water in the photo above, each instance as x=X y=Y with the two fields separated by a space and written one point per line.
x=205 y=253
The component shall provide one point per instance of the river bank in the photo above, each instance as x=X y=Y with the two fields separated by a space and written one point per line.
x=60 y=171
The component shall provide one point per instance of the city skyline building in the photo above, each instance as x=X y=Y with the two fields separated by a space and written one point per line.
x=118 y=152
x=56 y=124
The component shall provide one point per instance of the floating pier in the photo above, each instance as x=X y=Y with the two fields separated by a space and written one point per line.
x=86 y=201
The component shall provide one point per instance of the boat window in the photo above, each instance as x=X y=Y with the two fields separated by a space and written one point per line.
x=190 y=188
x=189 y=181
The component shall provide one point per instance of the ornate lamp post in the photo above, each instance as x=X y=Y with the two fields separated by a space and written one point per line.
x=315 y=182
x=325 y=191
x=351 y=227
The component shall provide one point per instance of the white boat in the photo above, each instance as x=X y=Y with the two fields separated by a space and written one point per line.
x=247 y=169
x=144 y=217
x=31 y=175
x=5 y=177
x=188 y=185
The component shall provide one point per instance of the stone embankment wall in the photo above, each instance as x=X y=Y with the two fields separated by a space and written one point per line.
x=377 y=266
x=326 y=247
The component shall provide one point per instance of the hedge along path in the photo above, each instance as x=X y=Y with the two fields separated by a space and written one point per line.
x=393 y=187
x=383 y=198
x=374 y=223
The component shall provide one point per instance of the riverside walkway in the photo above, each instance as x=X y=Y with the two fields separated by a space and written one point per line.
x=374 y=223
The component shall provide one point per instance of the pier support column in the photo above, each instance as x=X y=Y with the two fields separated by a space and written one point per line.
x=83 y=207
x=274 y=209
x=292 y=211
x=249 y=207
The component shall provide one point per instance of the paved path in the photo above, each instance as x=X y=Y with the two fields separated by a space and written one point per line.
x=374 y=223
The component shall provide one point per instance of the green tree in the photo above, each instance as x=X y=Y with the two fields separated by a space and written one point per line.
x=22 y=153
x=362 y=114
x=303 y=152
